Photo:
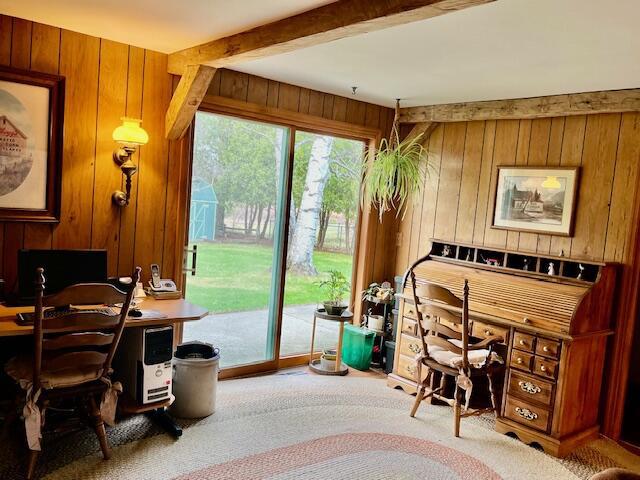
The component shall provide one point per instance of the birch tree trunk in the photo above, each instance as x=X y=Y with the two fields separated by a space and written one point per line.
x=304 y=237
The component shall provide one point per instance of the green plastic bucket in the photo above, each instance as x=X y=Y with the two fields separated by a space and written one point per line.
x=357 y=346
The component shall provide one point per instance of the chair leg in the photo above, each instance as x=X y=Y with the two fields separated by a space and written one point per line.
x=419 y=397
x=456 y=412
x=98 y=426
x=31 y=466
x=494 y=402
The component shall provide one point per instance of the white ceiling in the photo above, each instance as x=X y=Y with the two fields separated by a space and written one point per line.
x=506 y=49
x=161 y=25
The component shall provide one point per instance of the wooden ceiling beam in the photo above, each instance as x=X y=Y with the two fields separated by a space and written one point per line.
x=424 y=130
x=341 y=19
x=606 y=101
x=186 y=99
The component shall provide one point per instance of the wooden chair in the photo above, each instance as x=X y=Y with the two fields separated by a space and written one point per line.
x=443 y=327
x=71 y=358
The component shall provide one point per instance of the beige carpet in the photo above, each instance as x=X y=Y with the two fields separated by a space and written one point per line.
x=298 y=425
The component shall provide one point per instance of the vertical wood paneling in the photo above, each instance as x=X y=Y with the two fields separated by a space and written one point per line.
x=21 y=43
x=127 y=227
x=469 y=181
x=79 y=63
x=607 y=147
x=6 y=28
x=624 y=184
x=486 y=172
x=430 y=191
x=289 y=97
x=152 y=176
x=258 y=90
x=450 y=176
x=598 y=164
x=112 y=98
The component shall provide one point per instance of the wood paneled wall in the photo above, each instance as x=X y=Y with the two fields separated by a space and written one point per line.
x=106 y=80
x=458 y=197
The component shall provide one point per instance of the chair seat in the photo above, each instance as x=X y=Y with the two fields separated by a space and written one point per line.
x=477 y=358
x=20 y=368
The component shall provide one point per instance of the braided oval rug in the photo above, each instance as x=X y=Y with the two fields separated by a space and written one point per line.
x=298 y=425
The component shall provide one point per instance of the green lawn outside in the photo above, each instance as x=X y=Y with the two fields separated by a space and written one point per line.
x=235 y=277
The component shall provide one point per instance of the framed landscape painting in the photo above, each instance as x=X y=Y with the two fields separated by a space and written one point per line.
x=536 y=199
x=31 y=110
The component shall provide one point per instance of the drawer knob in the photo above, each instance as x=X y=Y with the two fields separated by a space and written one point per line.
x=487 y=332
x=526 y=320
x=411 y=370
x=545 y=348
x=526 y=414
x=519 y=360
x=522 y=342
x=529 y=387
x=414 y=348
x=543 y=368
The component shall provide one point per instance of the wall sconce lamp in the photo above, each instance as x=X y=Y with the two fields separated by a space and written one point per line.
x=130 y=135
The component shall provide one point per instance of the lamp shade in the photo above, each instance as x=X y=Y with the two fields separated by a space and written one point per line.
x=130 y=132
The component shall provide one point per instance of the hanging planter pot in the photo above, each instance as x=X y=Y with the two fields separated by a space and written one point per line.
x=395 y=172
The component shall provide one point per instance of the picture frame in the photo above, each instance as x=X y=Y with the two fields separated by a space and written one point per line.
x=536 y=199
x=31 y=130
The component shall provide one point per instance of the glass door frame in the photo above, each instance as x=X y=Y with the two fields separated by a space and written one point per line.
x=293 y=122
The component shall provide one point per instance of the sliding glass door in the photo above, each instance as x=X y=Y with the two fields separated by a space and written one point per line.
x=323 y=216
x=273 y=210
x=236 y=200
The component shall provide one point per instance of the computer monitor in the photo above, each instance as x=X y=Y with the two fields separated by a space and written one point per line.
x=61 y=269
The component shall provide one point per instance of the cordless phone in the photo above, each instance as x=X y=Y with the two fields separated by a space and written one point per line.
x=155 y=275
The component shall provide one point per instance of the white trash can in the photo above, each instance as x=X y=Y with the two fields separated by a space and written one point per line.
x=195 y=380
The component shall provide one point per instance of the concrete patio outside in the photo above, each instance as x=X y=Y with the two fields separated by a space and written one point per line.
x=242 y=336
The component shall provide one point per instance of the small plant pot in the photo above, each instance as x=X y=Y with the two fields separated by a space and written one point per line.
x=333 y=309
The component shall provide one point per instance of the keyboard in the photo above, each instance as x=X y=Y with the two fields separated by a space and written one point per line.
x=25 y=319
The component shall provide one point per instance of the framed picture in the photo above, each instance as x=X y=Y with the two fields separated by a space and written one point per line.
x=31 y=111
x=536 y=199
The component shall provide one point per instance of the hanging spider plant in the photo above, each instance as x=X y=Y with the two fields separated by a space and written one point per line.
x=395 y=172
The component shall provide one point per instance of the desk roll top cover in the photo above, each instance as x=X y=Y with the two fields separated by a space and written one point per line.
x=555 y=331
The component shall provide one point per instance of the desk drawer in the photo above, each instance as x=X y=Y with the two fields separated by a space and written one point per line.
x=524 y=341
x=409 y=310
x=548 y=348
x=526 y=414
x=410 y=346
x=530 y=388
x=409 y=327
x=544 y=367
x=521 y=360
x=484 y=330
x=407 y=368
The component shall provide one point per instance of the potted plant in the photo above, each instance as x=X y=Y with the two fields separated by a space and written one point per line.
x=394 y=172
x=336 y=287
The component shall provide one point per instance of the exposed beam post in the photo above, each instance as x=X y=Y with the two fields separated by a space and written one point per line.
x=186 y=99
x=423 y=128
x=341 y=19
x=607 y=101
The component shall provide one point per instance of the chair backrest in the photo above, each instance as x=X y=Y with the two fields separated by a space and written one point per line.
x=435 y=304
x=79 y=337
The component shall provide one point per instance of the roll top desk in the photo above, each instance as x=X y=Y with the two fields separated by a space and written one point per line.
x=554 y=314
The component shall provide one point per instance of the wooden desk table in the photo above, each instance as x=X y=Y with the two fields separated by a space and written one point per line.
x=155 y=312
x=168 y=312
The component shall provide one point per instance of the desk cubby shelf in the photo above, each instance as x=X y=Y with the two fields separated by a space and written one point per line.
x=520 y=263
